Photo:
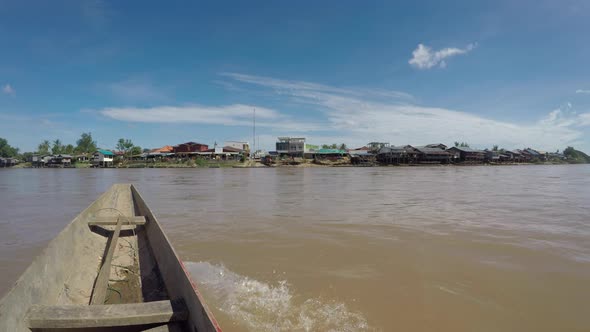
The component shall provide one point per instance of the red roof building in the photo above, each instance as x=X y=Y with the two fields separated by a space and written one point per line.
x=164 y=149
x=189 y=147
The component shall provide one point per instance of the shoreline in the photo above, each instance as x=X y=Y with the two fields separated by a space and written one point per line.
x=302 y=165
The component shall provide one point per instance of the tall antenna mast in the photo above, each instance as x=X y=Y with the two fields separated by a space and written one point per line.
x=253 y=133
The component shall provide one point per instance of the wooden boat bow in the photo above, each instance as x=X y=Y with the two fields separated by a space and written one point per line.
x=111 y=267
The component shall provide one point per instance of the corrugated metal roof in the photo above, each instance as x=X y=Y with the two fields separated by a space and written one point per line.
x=189 y=143
x=465 y=149
x=164 y=149
x=427 y=150
x=389 y=149
x=360 y=153
x=106 y=152
x=330 y=151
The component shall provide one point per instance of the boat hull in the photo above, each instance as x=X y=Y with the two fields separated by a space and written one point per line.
x=68 y=269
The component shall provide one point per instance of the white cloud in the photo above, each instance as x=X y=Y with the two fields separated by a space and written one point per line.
x=357 y=116
x=357 y=120
x=286 y=86
x=423 y=57
x=584 y=119
x=227 y=115
x=230 y=115
x=8 y=90
x=583 y=91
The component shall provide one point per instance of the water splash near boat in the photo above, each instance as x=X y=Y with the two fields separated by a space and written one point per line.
x=260 y=306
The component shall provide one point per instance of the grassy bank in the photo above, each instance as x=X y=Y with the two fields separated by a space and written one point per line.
x=199 y=163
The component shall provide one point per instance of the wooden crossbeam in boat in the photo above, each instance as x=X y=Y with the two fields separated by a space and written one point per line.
x=112 y=315
x=172 y=327
x=101 y=283
x=112 y=221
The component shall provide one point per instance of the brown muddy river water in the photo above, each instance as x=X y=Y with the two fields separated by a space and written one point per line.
x=347 y=249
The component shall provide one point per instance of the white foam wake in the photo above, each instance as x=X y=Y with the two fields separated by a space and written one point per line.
x=259 y=306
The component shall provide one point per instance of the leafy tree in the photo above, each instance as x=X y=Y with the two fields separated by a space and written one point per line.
x=136 y=150
x=334 y=146
x=25 y=156
x=495 y=148
x=85 y=144
x=6 y=150
x=57 y=147
x=43 y=148
x=124 y=145
x=575 y=156
x=457 y=143
x=342 y=146
x=68 y=149
x=463 y=145
x=325 y=146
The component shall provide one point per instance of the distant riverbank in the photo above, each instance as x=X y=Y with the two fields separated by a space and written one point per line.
x=308 y=164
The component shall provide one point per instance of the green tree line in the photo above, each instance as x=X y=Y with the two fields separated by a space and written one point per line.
x=7 y=151
x=85 y=144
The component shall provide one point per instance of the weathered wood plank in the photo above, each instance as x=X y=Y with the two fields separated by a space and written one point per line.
x=65 y=271
x=172 y=327
x=112 y=221
x=84 y=316
x=101 y=284
x=177 y=280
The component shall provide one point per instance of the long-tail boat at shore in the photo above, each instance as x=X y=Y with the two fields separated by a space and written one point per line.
x=111 y=269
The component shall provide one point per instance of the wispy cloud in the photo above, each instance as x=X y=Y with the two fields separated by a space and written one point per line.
x=226 y=115
x=356 y=116
x=584 y=119
x=583 y=91
x=7 y=89
x=423 y=57
x=230 y=115
x=286 y=87
x=358 y=119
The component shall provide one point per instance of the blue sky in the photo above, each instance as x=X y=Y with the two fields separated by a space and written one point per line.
x=484 y=72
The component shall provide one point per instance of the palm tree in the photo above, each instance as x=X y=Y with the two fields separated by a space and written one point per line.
x=43 y=148
x=57 y=147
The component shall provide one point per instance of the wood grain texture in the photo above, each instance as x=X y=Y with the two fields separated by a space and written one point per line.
x=178 y=282
x=102 y=281
x=85 y=316
x=112 y=221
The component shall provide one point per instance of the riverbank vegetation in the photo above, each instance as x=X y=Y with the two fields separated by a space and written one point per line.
x=191 y=163
x=126 y=156
x=575 y=156
x=7 y=151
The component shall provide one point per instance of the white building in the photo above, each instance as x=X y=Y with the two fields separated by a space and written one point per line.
x=293 y=146
x=103 y=158
x=245 y=146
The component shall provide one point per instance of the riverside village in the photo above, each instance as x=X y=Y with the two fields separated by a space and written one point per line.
x=289 y=152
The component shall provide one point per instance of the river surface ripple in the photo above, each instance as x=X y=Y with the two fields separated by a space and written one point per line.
x=347 y=249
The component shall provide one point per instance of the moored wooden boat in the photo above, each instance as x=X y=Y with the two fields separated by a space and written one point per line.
x=112 y=268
